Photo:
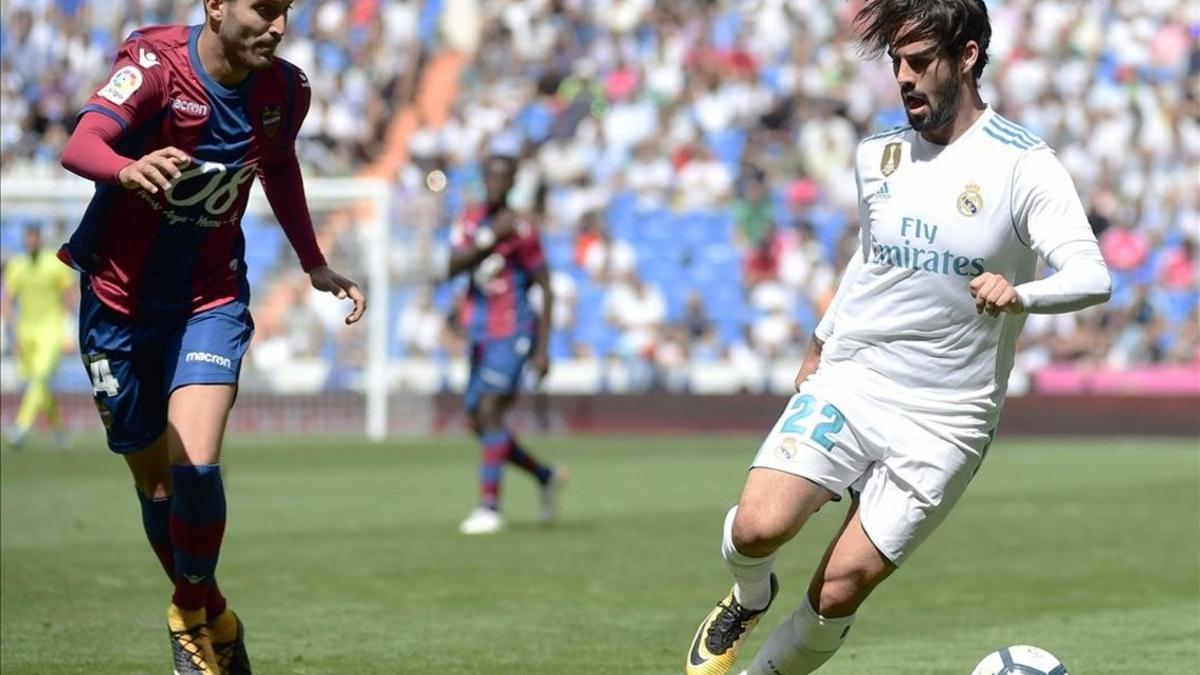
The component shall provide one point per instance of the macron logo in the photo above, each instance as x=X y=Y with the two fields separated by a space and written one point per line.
x=189 y=107
x=205 y=357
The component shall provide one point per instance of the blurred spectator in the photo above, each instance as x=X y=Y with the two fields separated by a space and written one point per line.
x=703 y=181
x=754 y=214
x=695 y=321
x=667 y=136
x=606 y=259
x=638 y=311
x=762 y=262
x=421 y=325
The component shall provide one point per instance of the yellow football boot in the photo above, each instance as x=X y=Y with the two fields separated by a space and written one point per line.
x=228 y=636
x=191 y=647
x=722 y=633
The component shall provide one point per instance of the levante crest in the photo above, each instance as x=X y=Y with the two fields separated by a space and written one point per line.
x=271 y=117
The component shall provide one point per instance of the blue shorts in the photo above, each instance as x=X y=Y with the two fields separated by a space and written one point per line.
x=496 y=367
x=135 y=363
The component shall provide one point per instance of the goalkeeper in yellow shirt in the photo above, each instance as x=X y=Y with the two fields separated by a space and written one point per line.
x=39 y=284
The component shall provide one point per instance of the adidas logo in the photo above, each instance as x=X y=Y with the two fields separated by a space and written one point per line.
x=883 y=192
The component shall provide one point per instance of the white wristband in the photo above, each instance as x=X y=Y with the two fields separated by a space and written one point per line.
x=484 y=238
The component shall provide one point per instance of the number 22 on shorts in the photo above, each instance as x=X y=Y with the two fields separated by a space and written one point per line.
x=803 y=406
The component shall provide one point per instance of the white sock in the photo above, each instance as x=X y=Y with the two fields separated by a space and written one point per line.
x=751 y=576
x=800 y=644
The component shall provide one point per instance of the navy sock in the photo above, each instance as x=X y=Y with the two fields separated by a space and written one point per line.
x=197 y=527
x=496 y=446
x=517 y=455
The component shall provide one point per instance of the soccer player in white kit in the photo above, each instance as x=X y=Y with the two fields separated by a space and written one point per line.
x=902 y=386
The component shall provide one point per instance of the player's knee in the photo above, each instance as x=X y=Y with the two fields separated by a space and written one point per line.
x=759 y=534
x=153 y=487
x=476 y=421
x=490 y=413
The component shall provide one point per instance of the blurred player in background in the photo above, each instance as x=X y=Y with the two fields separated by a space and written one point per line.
x=504 y=257
x=40 y=286
x=903 y=384
x=174 y=139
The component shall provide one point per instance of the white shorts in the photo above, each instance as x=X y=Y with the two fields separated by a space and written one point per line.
x=850 y=429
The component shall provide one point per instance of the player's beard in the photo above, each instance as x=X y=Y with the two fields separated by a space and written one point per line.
x=257 y=57
x=940 y=113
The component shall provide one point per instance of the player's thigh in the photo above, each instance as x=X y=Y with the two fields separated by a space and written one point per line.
x=906 y=497
x=773 y=507
x=196 y=419
x=812 y=454
x=26 y=345
x=44 y=353
x=202 y=363
x=122 y=359
x=496 y=371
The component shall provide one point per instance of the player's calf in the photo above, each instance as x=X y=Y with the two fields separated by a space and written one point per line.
x=801 y=644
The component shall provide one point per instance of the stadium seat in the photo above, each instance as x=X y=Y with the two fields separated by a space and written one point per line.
x=559 y=249
x=622 y=205
x=728 y=145
x=560 y=345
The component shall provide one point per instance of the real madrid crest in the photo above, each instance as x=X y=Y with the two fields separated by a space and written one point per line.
x=970 y=202
x=786 y=450
x=890 y=161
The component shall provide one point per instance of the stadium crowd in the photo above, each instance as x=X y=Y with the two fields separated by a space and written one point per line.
x=690 y=163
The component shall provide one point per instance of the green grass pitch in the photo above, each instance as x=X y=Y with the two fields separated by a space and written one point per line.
x=343 y=557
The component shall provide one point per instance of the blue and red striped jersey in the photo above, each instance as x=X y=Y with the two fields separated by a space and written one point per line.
x=497 y=303
x=183 y=249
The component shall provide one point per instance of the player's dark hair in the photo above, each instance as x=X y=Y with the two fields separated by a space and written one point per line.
x=884 y=24
x=510 y=162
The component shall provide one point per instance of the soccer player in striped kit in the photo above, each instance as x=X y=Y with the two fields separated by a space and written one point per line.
x=174 y=139
x=900 y=393
x=504 y=257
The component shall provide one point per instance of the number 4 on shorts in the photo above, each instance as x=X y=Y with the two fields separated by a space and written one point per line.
x=804 y=405
x=103 y=381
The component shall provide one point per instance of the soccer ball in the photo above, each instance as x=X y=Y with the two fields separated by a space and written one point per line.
x=1020 y=660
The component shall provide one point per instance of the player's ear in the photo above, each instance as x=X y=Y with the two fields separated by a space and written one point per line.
x=215 y=9
x=970 y=55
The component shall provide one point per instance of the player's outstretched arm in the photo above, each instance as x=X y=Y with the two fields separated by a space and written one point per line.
x=90 y=152
x=325 y=279
x=284 y=187
x=539 y=360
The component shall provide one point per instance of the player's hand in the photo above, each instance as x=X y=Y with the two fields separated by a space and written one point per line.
x=504 y=224
x=994 y=294
x=539 y=363
x=325 y=279
x=801 y=376
x=812 y=359
x=154 y=171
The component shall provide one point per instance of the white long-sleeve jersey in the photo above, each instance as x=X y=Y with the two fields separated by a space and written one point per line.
x=931 y=219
